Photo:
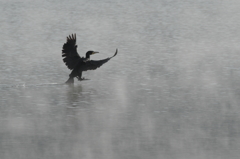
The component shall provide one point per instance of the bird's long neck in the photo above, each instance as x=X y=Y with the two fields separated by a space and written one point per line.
x=87 y=56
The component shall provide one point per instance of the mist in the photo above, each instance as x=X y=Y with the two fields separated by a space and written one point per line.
x=171 y=92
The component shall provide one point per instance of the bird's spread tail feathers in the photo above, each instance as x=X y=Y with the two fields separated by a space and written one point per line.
x=70 y=81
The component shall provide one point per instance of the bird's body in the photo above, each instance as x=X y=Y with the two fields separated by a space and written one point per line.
x=76 y=63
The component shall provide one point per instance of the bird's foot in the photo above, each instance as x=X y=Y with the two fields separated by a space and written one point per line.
x=82 y=79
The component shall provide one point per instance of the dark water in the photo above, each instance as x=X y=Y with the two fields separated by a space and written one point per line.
x=171 y=92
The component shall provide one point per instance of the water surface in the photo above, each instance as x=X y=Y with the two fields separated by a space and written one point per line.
x=171 y=92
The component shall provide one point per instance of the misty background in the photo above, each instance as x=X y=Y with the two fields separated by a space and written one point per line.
x=171 y=92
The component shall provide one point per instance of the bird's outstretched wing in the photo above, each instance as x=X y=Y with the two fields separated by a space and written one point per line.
x=69 y=52
x=94 y=64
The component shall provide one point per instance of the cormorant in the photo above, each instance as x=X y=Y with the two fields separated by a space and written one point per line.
x=76 y=63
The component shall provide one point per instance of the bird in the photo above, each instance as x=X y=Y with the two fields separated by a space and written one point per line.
x=79 y=64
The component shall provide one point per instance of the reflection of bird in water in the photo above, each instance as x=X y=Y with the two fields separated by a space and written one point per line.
x=76 y=63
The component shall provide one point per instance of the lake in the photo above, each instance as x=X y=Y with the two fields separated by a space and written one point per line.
x=172 y=92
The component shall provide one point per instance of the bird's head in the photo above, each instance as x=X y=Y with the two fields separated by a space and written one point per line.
x=90 y=53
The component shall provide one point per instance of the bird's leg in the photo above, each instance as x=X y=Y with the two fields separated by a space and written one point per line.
x=79 y=77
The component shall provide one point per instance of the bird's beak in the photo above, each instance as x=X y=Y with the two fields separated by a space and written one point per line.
x=95 y=52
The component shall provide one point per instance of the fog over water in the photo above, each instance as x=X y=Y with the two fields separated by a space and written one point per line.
x=172 y=92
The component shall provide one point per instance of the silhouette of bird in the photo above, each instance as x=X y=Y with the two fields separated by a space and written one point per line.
x=79 y=64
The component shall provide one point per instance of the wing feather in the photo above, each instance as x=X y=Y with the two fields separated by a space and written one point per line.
x=94 y=64
x=69 y=52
